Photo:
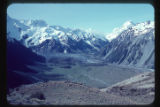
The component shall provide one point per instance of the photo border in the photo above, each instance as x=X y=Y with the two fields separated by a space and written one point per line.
x=3 y=7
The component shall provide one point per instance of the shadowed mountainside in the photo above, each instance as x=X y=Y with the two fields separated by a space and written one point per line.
x=18 y=57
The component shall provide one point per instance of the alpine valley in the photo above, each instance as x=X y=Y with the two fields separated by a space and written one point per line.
x=41 y=57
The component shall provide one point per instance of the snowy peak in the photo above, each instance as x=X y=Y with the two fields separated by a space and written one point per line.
x=14 y=28
x=118 y=30
x=38 y=34
x=38 y=31
x=35 y=23
x=127 y=24
x=142 y=28
x=138 y=29
x=133 y=46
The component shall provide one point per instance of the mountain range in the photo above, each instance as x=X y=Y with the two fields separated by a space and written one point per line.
x=44 y=39
x=131 y=44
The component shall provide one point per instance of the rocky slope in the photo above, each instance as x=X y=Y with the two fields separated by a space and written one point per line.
x=63 y=93
x=133 y=45
x=136 y=90
x=139 y=88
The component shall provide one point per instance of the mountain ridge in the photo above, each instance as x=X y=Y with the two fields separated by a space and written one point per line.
x=131 y=44
x=32 y=35
x=130 y=49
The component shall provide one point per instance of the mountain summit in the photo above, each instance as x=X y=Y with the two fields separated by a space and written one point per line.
x=39 y=36
x=132 y=45
x=138 y=29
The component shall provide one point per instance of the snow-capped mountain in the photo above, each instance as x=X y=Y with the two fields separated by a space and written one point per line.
x=118 y=30
x=44 y=39
x=14 y=28
x=139 y=29
x=132 y=46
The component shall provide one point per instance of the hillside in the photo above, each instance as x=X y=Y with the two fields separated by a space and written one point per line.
x=63 y=93
x=139 y=88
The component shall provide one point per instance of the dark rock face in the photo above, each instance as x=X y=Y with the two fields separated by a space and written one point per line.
x=55 y=46
x=18 y=57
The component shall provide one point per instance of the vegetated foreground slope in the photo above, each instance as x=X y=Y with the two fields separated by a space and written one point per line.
x=134 y=91
x=63 y=93
x=139 y=88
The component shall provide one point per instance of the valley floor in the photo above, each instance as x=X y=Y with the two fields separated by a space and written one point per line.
x=98 y=75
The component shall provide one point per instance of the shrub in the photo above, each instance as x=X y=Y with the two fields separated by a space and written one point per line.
x=38 y=95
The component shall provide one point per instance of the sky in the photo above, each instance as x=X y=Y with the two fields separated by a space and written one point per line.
x=102 y=18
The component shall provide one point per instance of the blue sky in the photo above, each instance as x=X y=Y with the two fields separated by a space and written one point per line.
x=99 y=17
